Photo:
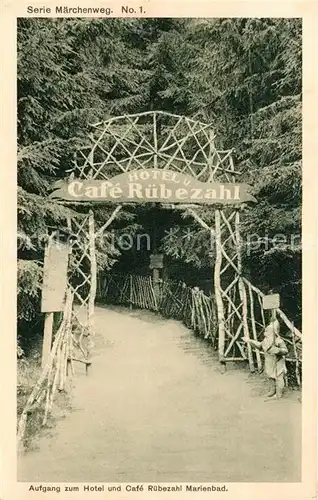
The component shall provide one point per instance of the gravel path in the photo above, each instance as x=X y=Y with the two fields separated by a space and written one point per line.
x=156 y=408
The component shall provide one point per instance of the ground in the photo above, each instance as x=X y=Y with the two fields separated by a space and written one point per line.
x=156 y=408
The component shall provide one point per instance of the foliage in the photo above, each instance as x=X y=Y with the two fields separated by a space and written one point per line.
x=29 y=284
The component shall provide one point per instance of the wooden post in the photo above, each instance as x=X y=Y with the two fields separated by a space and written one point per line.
x=155 y=280
x=93 y=281
x=155 y=140
x=296 y=357
x=210 y=155
x=242 y=290
x=130 y=291
x=217 y=286
x=48 y=322
x=93 y=265
x=258 y=356
x=69 y=227
x=47 y=337
x=92 y=254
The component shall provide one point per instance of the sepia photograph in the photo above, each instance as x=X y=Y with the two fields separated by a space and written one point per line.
x=159 y=260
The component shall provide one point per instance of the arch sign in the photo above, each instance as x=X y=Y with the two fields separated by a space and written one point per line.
x=152 y=185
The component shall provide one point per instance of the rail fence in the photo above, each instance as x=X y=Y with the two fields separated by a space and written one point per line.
x=198 y=312
x=176 y=300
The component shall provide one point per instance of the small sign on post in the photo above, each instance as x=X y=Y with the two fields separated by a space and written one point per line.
x=54 y=276
x=53 y=289
x=156 y=261
x=271 y=301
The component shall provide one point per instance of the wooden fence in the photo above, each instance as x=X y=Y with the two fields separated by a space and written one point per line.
x=176 y=300
x=198 y=312
x=54 y=374
x=257 y=322
x=124 y=289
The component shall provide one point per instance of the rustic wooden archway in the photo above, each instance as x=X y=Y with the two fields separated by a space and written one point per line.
x=163 y=140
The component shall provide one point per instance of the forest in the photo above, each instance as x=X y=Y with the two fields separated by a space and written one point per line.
x=241 y=75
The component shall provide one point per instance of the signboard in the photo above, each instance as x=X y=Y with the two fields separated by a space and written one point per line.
x=156 y=261
x=54 y=277
x=271 y=301
x=152 y=185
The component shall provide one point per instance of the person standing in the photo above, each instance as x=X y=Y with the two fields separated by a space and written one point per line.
x=275 y=350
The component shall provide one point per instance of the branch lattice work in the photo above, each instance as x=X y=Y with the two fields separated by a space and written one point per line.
x=162 y=140
x=80 y=282
x=154 y=139
x=82 y=276
x=227 y=285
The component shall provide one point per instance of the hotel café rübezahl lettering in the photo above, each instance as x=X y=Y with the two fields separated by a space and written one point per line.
x=152 y=185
